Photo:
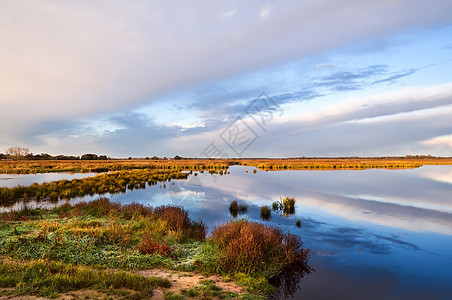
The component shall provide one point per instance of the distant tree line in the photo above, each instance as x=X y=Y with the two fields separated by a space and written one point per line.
x=18 y=153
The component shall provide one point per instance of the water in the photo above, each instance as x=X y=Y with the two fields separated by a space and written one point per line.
x=375 y=234
x=12 y=180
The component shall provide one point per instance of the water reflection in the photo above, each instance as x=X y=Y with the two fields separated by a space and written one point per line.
x=13 y=180
x=289 y=280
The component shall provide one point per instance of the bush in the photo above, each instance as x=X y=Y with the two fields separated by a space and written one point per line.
x=251 y=247
x=178 y=221
x=149 y=246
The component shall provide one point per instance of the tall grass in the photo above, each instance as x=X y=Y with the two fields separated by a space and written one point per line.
x=254 y=248
x=235 y=208
x=113 y=183
x=265 y=213
x=285 y=205
x=49 y=166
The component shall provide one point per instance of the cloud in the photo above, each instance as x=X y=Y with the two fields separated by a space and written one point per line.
x=393 y=123
x=62 y=59
x=445 y=140
x=266 y=11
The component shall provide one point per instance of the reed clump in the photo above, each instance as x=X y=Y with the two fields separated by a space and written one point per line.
x=265 y=213
x=235 y=208
x=285 y=205
x=254 y=248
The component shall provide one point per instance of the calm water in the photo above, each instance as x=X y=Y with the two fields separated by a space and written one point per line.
x=12 y=180
x=375 y=234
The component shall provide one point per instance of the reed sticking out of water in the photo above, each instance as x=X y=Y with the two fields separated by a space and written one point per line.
x=298 y=223
x=285 y=205
x=235 y=208
x=265 y=213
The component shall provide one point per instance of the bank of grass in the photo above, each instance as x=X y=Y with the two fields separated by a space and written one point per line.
x=345 y=163
x=98 y=236
x=95 y=166
x=49 y=279
x=113 y=183
x=332 y=163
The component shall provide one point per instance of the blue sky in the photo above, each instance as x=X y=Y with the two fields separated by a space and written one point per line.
x=227 y=78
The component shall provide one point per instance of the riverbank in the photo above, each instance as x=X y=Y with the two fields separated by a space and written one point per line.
x=132 y=251
x=303 y=163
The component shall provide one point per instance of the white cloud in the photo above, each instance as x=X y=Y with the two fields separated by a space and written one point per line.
x=229 y=14
x=265 y=11
x=445 y=140
x=66 y=60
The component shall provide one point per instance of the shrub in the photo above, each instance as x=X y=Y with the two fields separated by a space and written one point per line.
x=149 y=246
x=178 y=220
x=251 y=247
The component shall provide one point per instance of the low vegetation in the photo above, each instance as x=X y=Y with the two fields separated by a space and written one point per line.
x=74 y=247
x=94 y=166
x=266 y=213
x=235 y=208
x=286 y=206
x=108 y=165
x=345 y=163
x=114 y=182
x=49 y=279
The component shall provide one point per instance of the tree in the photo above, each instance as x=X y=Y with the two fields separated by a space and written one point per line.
x=2 y=156
x=17 y=153
x=89 y=156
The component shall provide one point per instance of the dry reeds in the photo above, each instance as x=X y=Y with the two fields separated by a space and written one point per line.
x=251 y=247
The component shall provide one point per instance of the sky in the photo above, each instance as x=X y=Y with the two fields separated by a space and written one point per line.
x=215 y=78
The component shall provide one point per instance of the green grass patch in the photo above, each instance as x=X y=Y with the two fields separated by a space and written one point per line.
x=49 y=279
x=100 y=235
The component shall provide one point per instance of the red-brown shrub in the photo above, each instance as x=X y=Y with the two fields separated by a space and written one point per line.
x=151 y=247
x=251 y=247
x=178 y=220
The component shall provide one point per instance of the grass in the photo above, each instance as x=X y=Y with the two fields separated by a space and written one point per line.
x=88 y=239
x=265 y=213
x=79 y=166
x=251 y=248
x=285 y=205
x=49 y=279
x=101 y=234
x=235 y=208
x=207 y=289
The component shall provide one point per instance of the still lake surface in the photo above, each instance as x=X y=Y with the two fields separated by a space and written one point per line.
x=375 y=234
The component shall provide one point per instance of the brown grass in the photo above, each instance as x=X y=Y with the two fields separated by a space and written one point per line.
x=251 y=247
x=151 y=247
x=327 y=163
